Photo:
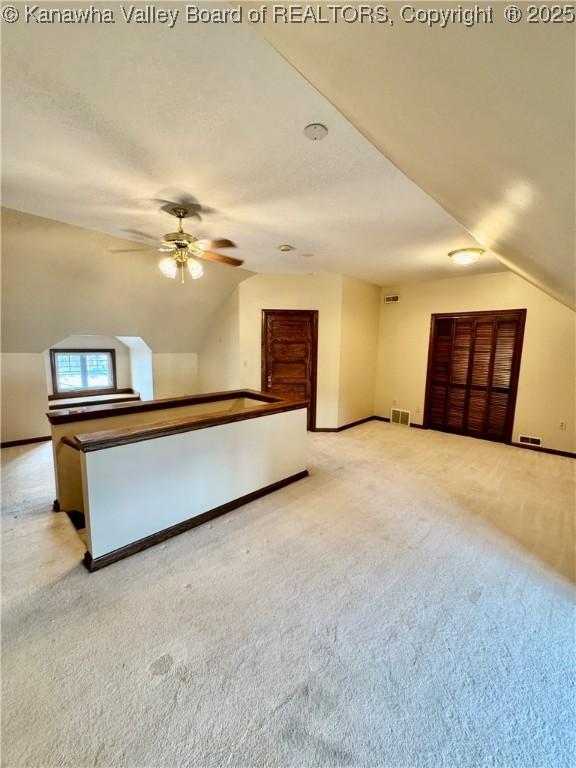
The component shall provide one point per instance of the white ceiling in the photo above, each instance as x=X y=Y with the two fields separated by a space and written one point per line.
x=99 y=120
x=481 y=118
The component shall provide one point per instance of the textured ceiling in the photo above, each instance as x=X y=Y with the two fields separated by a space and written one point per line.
x=101 y=120
x=480 y=118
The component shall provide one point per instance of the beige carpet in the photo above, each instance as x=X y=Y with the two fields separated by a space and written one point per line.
x=410 y=604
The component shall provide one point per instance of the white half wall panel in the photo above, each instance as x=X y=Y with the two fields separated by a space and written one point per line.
x=135 y=490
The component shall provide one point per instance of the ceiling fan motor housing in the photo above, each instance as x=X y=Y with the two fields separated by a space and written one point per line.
x=182 y=239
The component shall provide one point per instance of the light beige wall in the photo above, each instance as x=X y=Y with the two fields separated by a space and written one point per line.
x=175 y=374
x=358 y=351
x=322 y=292
x=24 y=396
x=348 y=312
x=141 y=373
x=219 y=355
x=546 y=389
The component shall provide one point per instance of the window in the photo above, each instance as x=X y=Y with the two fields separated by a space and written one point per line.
x=79 y=370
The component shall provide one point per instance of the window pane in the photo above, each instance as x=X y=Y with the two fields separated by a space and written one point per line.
x=83 y=370
x=68 y=372
x=98 y=370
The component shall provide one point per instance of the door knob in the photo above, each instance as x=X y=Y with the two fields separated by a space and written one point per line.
x=269 y=381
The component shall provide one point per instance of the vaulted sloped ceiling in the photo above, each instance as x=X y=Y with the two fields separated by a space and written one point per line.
x=481 y=118
x=59 y=280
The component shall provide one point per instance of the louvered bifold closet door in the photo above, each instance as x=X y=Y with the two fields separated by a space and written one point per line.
x=473 y=373
x=480 y=375
x=503 y=384
x=440 y=371
x=459 y=374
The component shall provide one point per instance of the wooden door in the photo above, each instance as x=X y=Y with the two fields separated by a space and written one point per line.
x=473 y=367
x=289 y=355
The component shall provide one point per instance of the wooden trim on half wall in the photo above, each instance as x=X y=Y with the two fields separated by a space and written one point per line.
x=87 y=403
x=98 y=411
x=91 y=393
x=111 y=438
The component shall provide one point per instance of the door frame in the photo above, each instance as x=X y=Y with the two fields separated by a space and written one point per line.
x=515 y=371
x=313 y=315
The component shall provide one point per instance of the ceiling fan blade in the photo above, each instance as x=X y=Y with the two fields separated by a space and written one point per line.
x=130 y=250
x=139 y=234
x=222 y=243
x=211 y=256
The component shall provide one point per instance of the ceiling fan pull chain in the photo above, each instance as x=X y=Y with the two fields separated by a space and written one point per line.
x=182 y=271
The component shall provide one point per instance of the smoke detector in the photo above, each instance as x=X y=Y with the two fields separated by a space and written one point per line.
x=316 y=131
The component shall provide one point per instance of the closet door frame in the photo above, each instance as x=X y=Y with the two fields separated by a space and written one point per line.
x=502 y=314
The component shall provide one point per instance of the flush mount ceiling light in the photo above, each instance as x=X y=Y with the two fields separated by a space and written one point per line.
x=316 y=131
x=285 y=247
x=465 y=256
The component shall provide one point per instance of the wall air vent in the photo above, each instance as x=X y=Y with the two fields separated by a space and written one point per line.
x=398 y=416
x=393 y=299
x=528 y=440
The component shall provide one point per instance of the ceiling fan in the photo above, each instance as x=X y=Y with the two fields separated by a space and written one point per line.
x=185 y=251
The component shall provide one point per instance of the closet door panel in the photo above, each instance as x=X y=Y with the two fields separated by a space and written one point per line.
x=477 y=410
x=456 y=406
x=505 y=344
x=497 y=416
x=461 y=352
x=438 y=394
x=483 y=341
x=440 y=372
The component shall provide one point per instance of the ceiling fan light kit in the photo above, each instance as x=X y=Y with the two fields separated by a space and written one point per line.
x=185 y=250
x=168 y=266
x=195 y=269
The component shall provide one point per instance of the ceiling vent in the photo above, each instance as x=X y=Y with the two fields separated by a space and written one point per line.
x=398 y=416
x=529 y=440
x=392 y=299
